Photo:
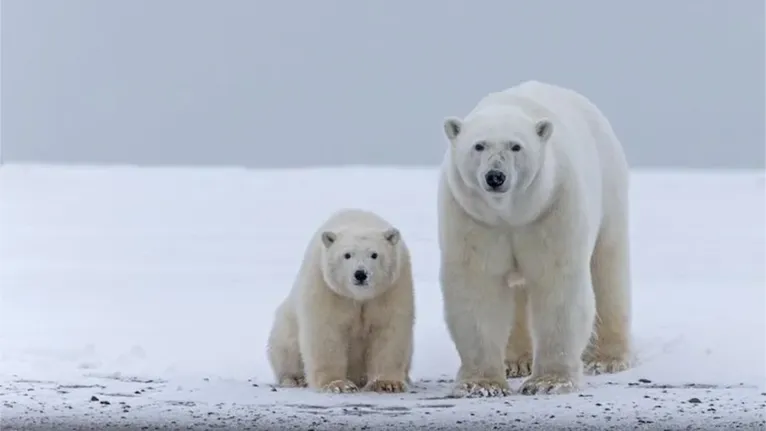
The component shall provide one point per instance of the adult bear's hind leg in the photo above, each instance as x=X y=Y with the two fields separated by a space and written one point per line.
x=610 y=347
x=518 y=353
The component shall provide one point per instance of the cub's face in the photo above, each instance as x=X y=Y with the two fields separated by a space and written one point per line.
x=498 y=152
x=360 y=264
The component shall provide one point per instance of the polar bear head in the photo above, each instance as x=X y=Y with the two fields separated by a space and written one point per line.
x=498 y=151
x=360 y=263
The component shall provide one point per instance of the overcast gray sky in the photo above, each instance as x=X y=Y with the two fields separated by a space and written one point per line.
x=301 y=83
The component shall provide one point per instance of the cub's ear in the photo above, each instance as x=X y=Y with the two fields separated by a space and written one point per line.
x=544 y=129
x=392 y=235
x=452 y=127
x=328 y=238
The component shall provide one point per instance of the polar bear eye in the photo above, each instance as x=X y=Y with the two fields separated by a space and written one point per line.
x=516 y=148
x=479 y=147
x=347 y=256
x=374 y=255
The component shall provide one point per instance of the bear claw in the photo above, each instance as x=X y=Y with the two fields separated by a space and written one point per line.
x=519 y=367
x=595 y=367
x=387 y=386
x=340 y=387
x=548 y=385
x=481 y=389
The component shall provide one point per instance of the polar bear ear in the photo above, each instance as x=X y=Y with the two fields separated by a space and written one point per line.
x=452 y=127
x=392 y=235
x=328 y=238
x=544 y=129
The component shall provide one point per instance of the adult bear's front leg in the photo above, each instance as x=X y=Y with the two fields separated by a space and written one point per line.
x=561 y=305
x=478 y=304
x=478 y=310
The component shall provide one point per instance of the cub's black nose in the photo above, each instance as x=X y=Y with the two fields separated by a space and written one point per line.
x=360 y=275
x=494 y=178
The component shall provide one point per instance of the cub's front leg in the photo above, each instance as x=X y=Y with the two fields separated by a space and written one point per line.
x=283 y=348
x=391 y=341
x=324 y=334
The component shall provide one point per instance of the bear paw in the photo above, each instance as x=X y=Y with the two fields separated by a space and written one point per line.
x=387 y=386
x=518 y=367
x=293 y=382
x=548 y=384
x=340 y=387
x=595 y=365
x=481 y=389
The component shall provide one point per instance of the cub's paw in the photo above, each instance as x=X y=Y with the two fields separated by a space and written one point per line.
x=340 y=387
x=481 y=389
x=293 y=382
x=520 y=366
x=549 y=384
x=386 y=386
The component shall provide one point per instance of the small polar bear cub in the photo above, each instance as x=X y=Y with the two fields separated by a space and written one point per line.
x=348 y=322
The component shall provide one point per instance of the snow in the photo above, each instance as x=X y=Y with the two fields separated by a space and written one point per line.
x=153 y=289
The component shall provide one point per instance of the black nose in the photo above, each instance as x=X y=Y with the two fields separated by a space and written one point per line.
x=494 y=178
x=360 y=275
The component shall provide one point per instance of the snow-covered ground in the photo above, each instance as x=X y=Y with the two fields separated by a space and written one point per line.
x=139 y=297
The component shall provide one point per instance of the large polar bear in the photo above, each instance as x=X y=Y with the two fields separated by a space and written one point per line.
x=534 y=189
x=348 y=321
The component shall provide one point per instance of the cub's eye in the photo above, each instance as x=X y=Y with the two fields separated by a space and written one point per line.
x=347 y=255
x=374 y=255
x=479 y=147
x=516 y=148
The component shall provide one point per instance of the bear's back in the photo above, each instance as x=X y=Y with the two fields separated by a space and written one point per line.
x=537 y=99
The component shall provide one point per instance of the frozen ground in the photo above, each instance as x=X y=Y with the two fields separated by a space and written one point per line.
x=142 y=298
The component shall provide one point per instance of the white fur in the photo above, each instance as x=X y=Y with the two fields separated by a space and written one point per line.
x=558 y=225
x=335 y=335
